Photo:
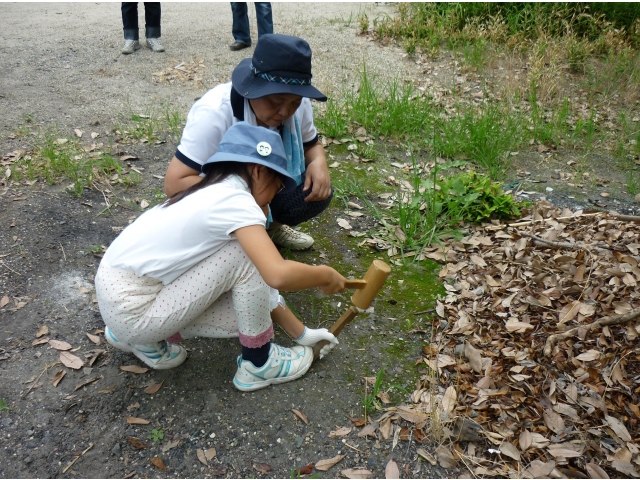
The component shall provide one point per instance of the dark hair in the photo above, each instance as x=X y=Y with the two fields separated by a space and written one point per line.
x=216 y=173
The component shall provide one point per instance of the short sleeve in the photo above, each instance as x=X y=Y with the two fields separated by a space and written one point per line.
x=236 y=211
x=208 y=120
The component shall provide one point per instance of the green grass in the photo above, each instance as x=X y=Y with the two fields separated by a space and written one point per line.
x=56 y=158
x=370 y=400
x=3 y=405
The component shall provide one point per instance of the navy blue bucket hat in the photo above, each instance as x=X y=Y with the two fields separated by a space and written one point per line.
x=280 y=64
x=250 y=144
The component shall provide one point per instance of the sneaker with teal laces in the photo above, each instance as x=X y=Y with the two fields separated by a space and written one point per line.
x=160 y=356
x=283 y=365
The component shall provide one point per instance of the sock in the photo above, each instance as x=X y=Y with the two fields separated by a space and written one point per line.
x=257 y=356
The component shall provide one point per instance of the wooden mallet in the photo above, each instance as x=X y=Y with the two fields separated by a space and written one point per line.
x=366 y=290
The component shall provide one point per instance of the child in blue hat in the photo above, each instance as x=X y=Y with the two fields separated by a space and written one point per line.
x=202 y=265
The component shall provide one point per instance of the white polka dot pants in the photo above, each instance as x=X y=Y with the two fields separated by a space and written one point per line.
x=222 y=296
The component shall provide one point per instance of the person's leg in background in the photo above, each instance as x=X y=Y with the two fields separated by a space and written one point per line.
x=152 y=13
x=130 y=27
x=264 y=18
x=240 y=29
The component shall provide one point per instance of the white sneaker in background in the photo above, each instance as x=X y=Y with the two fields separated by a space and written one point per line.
x=154 y=45
x=130 y=46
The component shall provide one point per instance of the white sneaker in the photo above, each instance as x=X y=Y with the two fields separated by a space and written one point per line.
x=286 y=237
x=154 y=45
x=283 y=365
x=130 y=46
x=160 y=356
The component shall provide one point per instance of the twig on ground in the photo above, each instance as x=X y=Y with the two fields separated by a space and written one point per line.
x=614 y=320
x=17 y=273
x=63 y=255
x=551 y=244
x=544 y=220
x=64 y=470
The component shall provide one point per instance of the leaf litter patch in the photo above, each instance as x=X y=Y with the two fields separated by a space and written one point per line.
x=533 y=369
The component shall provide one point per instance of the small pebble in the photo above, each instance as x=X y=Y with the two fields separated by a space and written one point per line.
x=298 y=442
x=29 y=432
x=116 y=450
x=322 y=373
x=6 y=422
x=28 y=460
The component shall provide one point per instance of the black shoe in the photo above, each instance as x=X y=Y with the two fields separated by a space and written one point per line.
x=238 y=46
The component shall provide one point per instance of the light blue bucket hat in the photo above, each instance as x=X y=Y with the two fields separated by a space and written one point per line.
x=250 y=144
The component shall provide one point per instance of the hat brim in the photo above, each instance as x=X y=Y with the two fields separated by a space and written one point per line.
x=289 y=182
x=250 y=86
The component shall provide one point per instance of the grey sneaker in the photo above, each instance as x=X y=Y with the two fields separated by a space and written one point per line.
x=160 y=356
x=154 y=45
x=130 y=46
x=286 y=237
x=284 y=364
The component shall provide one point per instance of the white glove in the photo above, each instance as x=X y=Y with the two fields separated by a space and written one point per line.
x=312 y=336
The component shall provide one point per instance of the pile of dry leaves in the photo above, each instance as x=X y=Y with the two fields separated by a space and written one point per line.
x=190 y=71
x=533 y=371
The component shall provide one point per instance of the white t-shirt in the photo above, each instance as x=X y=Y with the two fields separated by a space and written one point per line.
x=165 y=242
x=212 y=115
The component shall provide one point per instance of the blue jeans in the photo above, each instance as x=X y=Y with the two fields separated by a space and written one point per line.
x=152 y=13
x=240 y=28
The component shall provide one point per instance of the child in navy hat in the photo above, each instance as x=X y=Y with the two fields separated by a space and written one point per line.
x=272 y=90
x=202 y=265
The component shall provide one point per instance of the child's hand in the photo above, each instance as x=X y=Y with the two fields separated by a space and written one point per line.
x=312 y=336
x=336 y=283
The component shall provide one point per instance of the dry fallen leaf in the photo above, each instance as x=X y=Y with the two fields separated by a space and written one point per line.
x=391 y=470
x=201 y=457
x=344 y=224
x=58 y=377
x=473 y=355
x=210 y=454
x=59 y=345
x=324 y=465
x=510 y=450
x=157 y=461
x=427 y=456
x=136 y=443
x=70 y=360
x=44 y=330
x=4 y=301
x=595 y=471
x=40 y=341
x=301 y=415
x=169 y=445
x=137 y=421
x=263 y=468
x=445 y=459
x=588 y=356
x=151 y=389
x=306 y=470
x=356 y=473
x=340 y=432
x=87 y=382
x=94 y=338
x=618 y=427
x=133 y=369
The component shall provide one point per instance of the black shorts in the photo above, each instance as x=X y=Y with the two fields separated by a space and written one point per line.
x=291 y=209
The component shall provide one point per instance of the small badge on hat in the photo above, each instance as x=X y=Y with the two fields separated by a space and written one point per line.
x=264 y=149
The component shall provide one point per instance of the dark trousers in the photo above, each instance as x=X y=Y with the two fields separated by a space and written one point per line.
x=130 y=20
x=291 y=209
x=264 y=18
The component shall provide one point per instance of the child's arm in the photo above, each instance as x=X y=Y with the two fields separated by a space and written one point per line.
x=284 y=274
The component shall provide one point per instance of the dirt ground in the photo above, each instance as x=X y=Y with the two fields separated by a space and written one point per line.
x=62 y=68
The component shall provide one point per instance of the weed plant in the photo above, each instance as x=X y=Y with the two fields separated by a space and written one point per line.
x=370 y=400
x=55 y=158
